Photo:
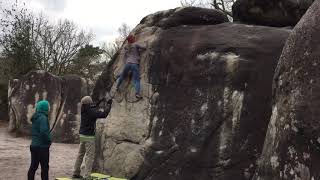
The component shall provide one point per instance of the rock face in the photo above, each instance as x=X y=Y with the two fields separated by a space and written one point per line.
x=64 y=95
x=277 y=13
x=291 y=149
x=184 y=16
x=206 y=102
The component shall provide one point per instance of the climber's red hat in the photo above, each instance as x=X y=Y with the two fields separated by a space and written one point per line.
x=131 y=39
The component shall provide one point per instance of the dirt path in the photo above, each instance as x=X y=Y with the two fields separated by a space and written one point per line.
x=15 y=157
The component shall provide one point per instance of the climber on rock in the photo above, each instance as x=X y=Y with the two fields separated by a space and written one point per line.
x=132 y=60
x=89 y=115
x=41 y=141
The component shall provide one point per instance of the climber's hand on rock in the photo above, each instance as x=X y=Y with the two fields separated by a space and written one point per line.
x=109 y=101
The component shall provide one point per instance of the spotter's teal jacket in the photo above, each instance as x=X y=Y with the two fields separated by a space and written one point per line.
x=40 y=130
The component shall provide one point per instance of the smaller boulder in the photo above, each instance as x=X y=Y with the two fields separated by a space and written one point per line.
x=277 y=13
x=64 y=95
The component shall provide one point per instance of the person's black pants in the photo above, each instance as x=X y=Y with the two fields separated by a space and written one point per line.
x=39 y=155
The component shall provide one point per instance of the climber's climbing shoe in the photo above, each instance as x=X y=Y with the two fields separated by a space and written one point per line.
x=138 y=96
x=77 y=176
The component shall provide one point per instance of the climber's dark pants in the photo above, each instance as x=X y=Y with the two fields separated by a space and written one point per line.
x=134 y=68
x=39 y=155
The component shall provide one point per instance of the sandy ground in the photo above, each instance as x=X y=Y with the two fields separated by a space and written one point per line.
x=15 y=157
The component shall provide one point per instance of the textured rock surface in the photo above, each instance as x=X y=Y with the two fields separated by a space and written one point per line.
x=64 y=95
x=277 y=13
x=292 y=146
x=206 y=107
x=184 y=16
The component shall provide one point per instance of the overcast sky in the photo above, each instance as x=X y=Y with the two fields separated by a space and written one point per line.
x=103 y=17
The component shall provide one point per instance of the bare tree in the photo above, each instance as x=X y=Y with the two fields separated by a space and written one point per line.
x=111 y=48
x=196 y=3
x=124 y=30
x=223 y=5
x=32 y=42
x=56 y=45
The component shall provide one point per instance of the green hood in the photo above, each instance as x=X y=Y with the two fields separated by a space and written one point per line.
x=42 y=106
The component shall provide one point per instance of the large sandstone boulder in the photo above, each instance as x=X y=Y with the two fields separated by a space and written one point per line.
x=277 y=13
x=64 y=95
x=206 y=103
x=291 y=149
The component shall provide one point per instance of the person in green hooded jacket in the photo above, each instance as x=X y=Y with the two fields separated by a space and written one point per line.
x=41 y=141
